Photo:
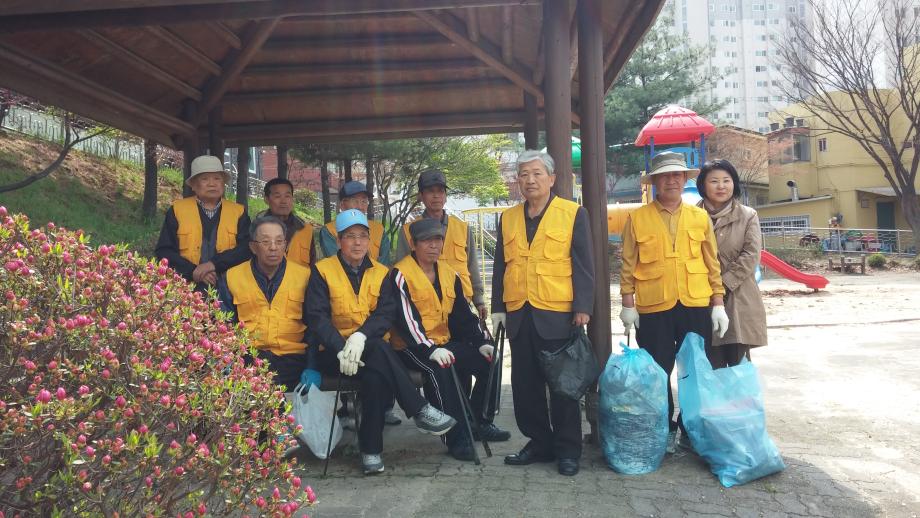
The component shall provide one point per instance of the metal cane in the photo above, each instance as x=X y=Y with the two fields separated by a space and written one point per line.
x=338 y=389
x=467 y=415
x=498 y=360
x=496 y=365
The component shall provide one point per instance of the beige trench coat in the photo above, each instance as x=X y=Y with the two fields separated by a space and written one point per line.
x=739 y=238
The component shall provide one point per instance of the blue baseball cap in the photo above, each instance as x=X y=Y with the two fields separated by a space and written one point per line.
x=349 y=218
x=352 y=188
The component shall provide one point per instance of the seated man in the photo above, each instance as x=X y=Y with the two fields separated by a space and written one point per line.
x=350 y=306
x=438 y=328
x=266 y=293
x=204 y=235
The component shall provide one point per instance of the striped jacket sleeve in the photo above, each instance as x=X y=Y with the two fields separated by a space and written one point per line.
x=408 y=320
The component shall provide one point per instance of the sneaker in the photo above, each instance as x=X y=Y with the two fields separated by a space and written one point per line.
x=390 y=417
x=672 y=442
x=490 y=433
x=433 y=421
x=462 y=450
x=373 y=464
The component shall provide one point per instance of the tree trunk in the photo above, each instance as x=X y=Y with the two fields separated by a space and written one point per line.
x=347 y=167
x=149 y=205
x=242 y=175
x=282 y=162
x=910 y=205
x=369 y=182
x=324 y=182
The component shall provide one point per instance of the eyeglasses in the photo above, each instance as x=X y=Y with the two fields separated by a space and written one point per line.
x=356 y=237
x=278 y=243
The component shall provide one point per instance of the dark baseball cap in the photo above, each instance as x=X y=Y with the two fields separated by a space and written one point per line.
x=426 y=228
x=431 y=178
x=352 y=188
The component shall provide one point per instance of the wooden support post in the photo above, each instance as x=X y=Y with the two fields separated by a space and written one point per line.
x=594 y=177
x=531 y=122
x=215 y=142
x=282 y=162
x=558 y=93
x=369 y=182
x=190 y=149
x=346 y=167
x=242 y=175
x=324 y=182
x=149 y=205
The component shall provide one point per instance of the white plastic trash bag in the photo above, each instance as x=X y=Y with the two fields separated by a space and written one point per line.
x=312 y=410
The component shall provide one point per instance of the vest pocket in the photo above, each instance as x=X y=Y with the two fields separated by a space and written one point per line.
x=514 y=282
x=509 y=244
x=556 y=245
x=649 y=286
x=554 y=281
x=294 y=307
x=649 y=249
x=696 y=238
x=698 y=280
x=460 y=249
x=185 y=243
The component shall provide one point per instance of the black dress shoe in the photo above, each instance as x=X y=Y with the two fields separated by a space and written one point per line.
x=491 y=433
x=568 y=467
x=528 y=456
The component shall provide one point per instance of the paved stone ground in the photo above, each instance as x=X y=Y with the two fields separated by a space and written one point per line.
x=843 y=405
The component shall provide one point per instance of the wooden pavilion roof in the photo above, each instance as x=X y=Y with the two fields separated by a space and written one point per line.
x=284 y=71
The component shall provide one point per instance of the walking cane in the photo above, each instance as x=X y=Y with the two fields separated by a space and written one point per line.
x=493 y=379
x=467 y=415
x=499 y=359
x=338 y=389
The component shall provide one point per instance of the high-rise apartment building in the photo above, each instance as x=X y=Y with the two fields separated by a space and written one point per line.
x=742 y=37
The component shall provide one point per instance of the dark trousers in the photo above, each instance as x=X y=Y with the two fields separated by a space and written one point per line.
x=556 y=430
x=286 y=367
x=661 y=334
x=727 y=355
x=382 y=378
x=440 y=389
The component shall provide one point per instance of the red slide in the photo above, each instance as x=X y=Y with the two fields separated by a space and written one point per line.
x=815 y=282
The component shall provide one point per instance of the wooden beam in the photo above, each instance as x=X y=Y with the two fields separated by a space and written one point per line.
x=243 y=155
x=507 y=29
x=334 y=138
x=472 y=24
x=175 y=41
x=141 y=64
x=225 y=33
x=215 y=142
x=329 y=93
x=531 y=122
x=573 y=44
x=281 y=155
x=11 y=7
x=228 y=10
x=485 y=50
x=380 y=41
x=558 y=87
x=233 y=65
x=56 y=85
x=365 y=67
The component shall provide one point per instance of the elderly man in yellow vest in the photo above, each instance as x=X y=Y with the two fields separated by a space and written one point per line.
x=543 y=287
x=350 y=310
x=266 y=294
x=670 y=280
x=354 y=195
x=437 y=328
x=204 y=235
x=458 y=252
x=279 y=196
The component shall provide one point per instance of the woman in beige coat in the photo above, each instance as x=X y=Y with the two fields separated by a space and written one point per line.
x=738 y=235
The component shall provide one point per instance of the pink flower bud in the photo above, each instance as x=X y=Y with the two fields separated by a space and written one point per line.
x=106 y=374
x=52 y=365
x=148 y=482
x=191 y=439
x=43 y=396
x=83 y=390
x=87 y=486
x=90 y=451
x=120 y=401
x=121 y=326
x=202 y=509
x=260 y=502
x=174 y=445
x=142 y=429
x=106 y=459
x=311 y=496
x=296 y=482
x=61 y=394
x=179 y=471
x=181 y=400
x=29 y=365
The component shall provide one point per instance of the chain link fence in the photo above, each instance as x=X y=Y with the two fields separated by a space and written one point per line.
x=840 y=240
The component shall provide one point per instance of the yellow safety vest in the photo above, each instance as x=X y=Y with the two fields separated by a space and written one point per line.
x=376 y=229
x=299 y=247
x=539 y=273
x=434 y=311
x=189 y=231
x=454 y=252
x=666 y=273
x=350 y=310
x=277 y=326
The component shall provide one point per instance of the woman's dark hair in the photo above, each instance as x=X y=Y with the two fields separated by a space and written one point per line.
x=717 y=164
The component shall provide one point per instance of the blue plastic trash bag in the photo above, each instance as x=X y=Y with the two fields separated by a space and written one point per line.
x=722 y=411
x=633 y=412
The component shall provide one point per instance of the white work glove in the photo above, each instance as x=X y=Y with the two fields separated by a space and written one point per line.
x=719 y=321
x=498 y=318
x=346 y=367
x=354 y=346
x=442 y=357
x=487 y=350
x=630 y=318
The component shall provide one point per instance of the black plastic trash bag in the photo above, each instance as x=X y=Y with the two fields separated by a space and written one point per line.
x=573 y=368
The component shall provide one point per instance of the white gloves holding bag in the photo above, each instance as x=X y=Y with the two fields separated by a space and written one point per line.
x=630 y=318
x=719 y=321
x=350 y=355
x=498 y=318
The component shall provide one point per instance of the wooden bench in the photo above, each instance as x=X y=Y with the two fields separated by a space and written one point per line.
x=847 y=263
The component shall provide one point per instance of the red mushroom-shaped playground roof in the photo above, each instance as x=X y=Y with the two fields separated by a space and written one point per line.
x=674 y=125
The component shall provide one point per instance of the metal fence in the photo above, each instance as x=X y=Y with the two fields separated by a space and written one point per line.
x=841 y=240
x=48 y=127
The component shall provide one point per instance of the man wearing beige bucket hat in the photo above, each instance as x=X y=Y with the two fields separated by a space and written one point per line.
x=205 y=235
x=670 y=279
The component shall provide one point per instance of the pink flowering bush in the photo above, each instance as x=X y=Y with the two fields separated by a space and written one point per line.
x=123 y=392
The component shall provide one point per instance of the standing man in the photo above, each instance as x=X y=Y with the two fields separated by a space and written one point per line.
x=437 y=329
x=204 y=235
x=350 y=310
x=354 y=195
x=432 y=191
x=279 y=195
x=266 y=294
x=670 y=278
x=543 y=287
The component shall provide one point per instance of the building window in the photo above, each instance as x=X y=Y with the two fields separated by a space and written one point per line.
x=774 y=21
x=822 y=145
x=763 y=114
x=763 y=129
x=774 y=83
x=761 y=23
x=801 y=148
x=763 y=99
x=760 y=53
x=760 y=68
x=762 y=84
x=780 y=224
x=791 y=8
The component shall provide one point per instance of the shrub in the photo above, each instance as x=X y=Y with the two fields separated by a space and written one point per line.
x=876 y=260
x=124 y=393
